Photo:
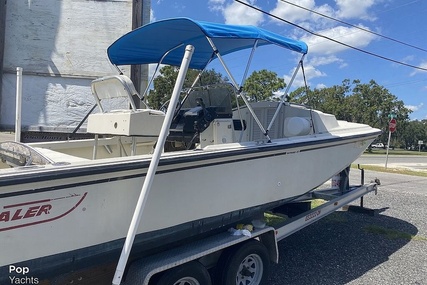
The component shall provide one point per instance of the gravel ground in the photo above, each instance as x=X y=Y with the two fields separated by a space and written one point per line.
x=356 y=249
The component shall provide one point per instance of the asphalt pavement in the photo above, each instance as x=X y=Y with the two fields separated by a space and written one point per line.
x=358 y=249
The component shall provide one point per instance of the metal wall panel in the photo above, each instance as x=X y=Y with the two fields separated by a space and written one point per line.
x=61 y=46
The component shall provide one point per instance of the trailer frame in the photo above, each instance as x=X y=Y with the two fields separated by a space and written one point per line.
x=208 y=251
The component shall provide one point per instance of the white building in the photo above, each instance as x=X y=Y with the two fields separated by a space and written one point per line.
x=61 y=46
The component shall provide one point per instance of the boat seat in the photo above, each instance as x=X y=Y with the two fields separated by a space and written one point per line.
x=18 y=154
x=130 y=122
x=114 y=86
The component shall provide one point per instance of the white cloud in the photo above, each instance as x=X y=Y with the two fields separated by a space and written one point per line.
x=303 y=17
x=238 y=14
x=343 y=9
x=325 y=49
x=152 y=17
x=414 y=108
x=292 y=13
x=320 y=86
x=324 y=60
x=348 y=35
x=216 y=2
x=350 y=9
x=408 y=58
x=422 y=65
x=216 y=5
x=310 y=72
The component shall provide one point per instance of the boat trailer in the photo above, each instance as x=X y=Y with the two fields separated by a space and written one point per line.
x=243 y=259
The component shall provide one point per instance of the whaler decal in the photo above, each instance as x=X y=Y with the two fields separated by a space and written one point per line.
x=36 y=212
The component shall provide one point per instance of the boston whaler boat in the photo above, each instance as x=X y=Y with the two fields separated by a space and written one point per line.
x=66 y=205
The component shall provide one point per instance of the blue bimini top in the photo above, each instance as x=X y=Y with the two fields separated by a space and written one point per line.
x=149 y=43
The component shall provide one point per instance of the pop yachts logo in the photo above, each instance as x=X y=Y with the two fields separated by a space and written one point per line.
x=29 y=213
x=21 y=275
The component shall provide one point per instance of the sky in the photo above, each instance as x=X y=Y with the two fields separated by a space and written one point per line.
x=402 y=25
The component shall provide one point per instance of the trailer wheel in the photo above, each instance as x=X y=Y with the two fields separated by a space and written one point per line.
x=247 y=264
x=191 y=273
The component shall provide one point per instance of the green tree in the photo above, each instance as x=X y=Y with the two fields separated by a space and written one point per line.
x=261 y=85
x=333 y=100
x=163 y=86
x=409 y=133
x=367 y=103
x=372 y=104
x=165 y=82
x=356 y=102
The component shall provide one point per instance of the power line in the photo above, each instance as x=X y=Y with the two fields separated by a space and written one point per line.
x=331 y=39
x=407 y=82
x=354 y=26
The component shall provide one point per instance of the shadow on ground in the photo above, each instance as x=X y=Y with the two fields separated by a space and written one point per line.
x=335 y=251
x=339 y=248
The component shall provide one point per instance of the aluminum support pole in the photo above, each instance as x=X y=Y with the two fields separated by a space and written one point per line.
x=234 y=82
x=152 y=168
x=18 y=104
x=286 y=92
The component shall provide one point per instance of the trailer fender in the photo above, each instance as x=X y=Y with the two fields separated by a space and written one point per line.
x=269 y=240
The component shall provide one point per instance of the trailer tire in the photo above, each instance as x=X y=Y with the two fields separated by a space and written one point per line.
x=247 y=264
x=191 y=273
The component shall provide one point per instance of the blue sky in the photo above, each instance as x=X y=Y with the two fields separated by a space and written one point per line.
x=328 y=63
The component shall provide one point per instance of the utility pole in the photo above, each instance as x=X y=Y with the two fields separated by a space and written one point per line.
x=2 y=42
x=391 y=129
x=139 y=73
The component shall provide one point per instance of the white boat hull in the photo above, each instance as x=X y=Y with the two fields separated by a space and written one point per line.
x=74 y=212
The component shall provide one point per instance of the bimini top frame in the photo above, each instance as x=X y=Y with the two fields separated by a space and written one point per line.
x=149 y=43
x=163 y=42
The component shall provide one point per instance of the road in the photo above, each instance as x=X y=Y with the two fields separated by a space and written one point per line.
x=358 y=249
x=415 y=162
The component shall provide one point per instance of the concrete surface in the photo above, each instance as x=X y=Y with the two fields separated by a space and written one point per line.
x=7 y=136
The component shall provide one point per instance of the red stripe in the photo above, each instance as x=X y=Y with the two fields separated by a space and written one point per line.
x=27 y=203
x=48 y=220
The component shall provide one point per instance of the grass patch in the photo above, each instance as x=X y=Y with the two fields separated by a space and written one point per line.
x=274 y=219
x=393 y=234
x=392 y=170
x=317 y=202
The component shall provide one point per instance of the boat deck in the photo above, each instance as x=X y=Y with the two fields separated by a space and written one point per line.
x=59 y=157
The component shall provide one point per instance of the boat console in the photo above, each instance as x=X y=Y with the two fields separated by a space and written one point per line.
x=201 y=110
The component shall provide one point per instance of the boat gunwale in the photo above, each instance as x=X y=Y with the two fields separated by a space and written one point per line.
x=166 y=165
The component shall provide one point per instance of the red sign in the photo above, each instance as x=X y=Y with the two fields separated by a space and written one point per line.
x=392 y=125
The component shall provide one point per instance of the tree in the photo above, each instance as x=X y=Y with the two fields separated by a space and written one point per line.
x=163 y=86
x=356 y=102
x=412 y=132
x=333 y=100
x=261 y=85
x=165 y=82
x=373 y=104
